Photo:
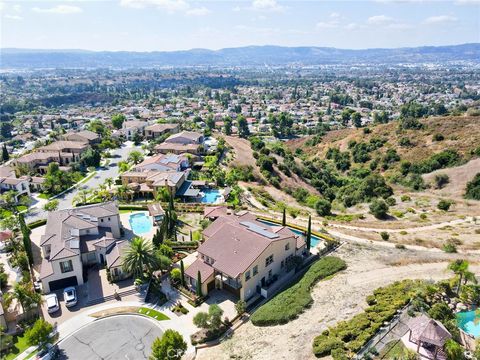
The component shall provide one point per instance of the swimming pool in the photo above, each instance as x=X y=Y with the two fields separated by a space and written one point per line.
x=211 y=196
x=469 y=321
x=314 y=240
x=140 y=223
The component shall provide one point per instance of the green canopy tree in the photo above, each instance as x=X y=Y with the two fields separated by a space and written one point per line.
x=170 y=346
x=39 y=333
x=309 y=233
x=460 y=269
x=199 y=284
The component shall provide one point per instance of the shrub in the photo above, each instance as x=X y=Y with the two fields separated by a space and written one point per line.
x=444 y=204
x=288 y=304
x=438 y=137
x=472 y=190
x=441 y=180
x=379 y=209
x=449 y=247
x=391 y=201
x=385 y=235
x=323 y=207
x=405 y=198
x=400 y=246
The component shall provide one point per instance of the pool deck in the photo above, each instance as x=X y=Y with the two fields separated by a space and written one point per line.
x=129 y=234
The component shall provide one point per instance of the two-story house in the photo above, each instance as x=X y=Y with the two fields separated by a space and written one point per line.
x=154 y=131
x=162 y=162
x=183 y=142
x=243 y=256
x=74 y=238
x=10 y=182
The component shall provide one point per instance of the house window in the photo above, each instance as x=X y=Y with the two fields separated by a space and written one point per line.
x=268 y=260
x=88 y=231
x=247 y=275
x=66 y=266
x=108 y=219
x=101 y=220
x=255 y=270
x=287 y=246
x=282 y=264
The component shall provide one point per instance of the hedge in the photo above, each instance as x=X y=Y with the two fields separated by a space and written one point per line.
x=37 y=223
x=291 y=302
x=350 y=336
x=133 y=207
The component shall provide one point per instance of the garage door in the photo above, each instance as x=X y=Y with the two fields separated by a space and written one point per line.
x=63 y=283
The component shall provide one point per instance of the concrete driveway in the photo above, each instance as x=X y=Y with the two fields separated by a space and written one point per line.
x=119 y=337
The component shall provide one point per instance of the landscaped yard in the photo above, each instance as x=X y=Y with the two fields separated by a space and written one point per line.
x=291 y=302
x=396 y=350
x=44 y=196
x=19 y=346
x=157 y=315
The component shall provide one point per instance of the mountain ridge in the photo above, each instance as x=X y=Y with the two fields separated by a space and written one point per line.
x=14 y=58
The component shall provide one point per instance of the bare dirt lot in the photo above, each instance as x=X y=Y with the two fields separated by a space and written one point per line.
x=336 y=299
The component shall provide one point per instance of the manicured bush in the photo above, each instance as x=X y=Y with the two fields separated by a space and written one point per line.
x=36 y=223
x=288 y=304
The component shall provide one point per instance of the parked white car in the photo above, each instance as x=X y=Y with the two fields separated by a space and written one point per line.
x=52 y=303
x=70 y=296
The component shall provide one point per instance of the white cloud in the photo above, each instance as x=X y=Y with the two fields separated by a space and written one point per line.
x=168 y=5
x=266 y=5
x=467 y=2
x=352 y=26
x=13 y=17
x=440 y=19
x=202 y=11
x=380 y=20
x=327 y=24
x=334 y=15
x=59 y=9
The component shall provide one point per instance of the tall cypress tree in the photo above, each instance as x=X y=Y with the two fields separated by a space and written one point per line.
x=5 y=155
x=284 y=219
x=27 y=243
x=182 y=271
x=199 y=284
x=309 y=233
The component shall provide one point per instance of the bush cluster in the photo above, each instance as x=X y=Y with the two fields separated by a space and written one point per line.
x=350 y=336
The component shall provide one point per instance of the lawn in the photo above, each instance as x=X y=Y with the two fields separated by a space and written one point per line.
x=154 y=314
x=396 y=350
x=19 y=346
x=21 y=208
x=44 y=196
x=5 y=213
x=291 y=302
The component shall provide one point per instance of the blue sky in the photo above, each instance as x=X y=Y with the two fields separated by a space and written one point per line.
x=150 y=25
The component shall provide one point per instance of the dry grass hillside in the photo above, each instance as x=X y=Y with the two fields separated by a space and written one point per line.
x=461 y=134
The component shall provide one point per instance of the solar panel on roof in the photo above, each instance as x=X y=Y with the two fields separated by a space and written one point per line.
x=74 y=244
x=259 y=230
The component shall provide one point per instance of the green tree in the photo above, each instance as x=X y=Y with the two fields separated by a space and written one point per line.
x=284 y=217
x=52 y=205
x=135 y=157
x=323 y=207
x=227 y=123
x=5 y=155
x=182 y=270
x=241 y=307
x=444 y=204
x=211 y=321
x=453 y=350
x=472 y=190
x=26 y=296
x=309 y=233
x=461 y=270
x=357 y=119
x=199 y=284
x=39 y=333
x=27 y=242
x=170 y=346
x=140 y=257
x=243 y=130
x=379 y=208
x=117 y=120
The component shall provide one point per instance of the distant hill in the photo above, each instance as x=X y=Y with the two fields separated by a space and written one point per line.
x=243 y=56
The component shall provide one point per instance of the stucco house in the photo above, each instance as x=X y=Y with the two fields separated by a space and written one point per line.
x=10 y=182
x=85 y=136
x=75 y=238
x=243 y=256
x=163 y=162
x=156 y=130
x=184 y=142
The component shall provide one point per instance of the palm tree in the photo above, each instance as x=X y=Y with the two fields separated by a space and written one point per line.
x=81 y=197
x=460 y=268
x=109 y=182
x=26 y=297
x=123 y=192
x=135 y=157
x=140 y=257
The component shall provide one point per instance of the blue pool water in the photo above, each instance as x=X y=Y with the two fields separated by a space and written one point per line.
x=140 y=223
x=315 y=240
x=210 y=196
x=469 y=322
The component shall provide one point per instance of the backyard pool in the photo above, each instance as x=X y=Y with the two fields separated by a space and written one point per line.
x=140 y=223
x=211 y=196
x=315 y=240
x=469 y=321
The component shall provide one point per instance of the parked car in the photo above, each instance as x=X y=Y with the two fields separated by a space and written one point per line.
x=52 y=303
x=49 y=352
x=70 y=296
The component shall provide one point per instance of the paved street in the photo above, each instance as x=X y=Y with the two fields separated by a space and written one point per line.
x=65 y=201
x=118 y=337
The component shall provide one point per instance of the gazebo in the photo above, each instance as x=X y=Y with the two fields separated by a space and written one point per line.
x=428 y=334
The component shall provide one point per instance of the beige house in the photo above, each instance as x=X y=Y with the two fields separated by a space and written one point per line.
x=10 y=182
x=156 y=130
x=63 y=152
x=84 y=136
x=74 y=238
x=184 y=142
x=150 y=182
x=244 y=256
